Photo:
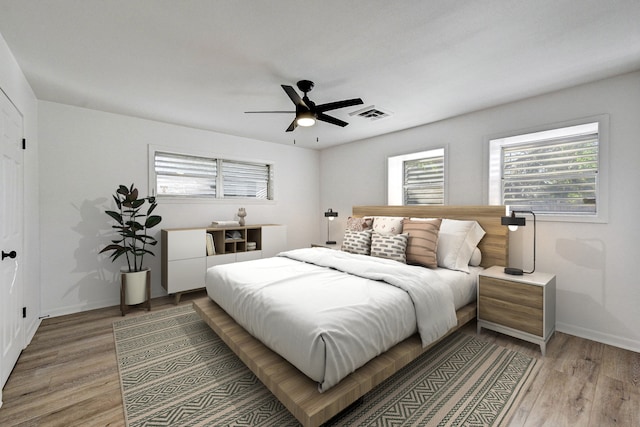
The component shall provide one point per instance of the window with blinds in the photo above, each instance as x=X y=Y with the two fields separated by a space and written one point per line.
x=246 y=180
x=181 y=175
x=423 y=182
x=417 y=178
x=552 y=172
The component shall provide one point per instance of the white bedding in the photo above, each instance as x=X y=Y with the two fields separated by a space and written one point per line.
x=463 y=285
x=302 y=305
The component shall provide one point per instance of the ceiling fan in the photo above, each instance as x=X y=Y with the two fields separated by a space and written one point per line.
x=307 y=112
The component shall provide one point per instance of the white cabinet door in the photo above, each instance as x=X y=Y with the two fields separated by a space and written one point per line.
x=186 y=274
x=185 y=244
x=274 y=240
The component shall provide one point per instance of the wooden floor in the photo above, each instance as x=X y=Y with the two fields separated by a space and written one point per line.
x=68 y=377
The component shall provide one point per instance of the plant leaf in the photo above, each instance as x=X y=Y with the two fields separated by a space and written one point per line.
x=152 y=221
x=115 y=215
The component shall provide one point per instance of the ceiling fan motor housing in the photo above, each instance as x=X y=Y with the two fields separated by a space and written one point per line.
x=305 y=86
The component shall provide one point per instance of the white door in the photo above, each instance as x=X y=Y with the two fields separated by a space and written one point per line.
x=11 y=232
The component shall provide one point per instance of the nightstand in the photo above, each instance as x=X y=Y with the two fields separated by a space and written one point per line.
x=520 y=306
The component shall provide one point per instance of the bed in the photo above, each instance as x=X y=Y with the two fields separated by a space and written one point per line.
x=315 y=390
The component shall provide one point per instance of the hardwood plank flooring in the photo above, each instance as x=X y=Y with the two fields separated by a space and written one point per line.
x=68 y=376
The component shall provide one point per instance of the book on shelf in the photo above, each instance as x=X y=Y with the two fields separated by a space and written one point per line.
x=211 y=248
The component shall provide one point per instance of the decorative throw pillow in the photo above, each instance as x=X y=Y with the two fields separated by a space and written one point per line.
x=357 y=242
x=422 y=242
x=456 y=242
x=387 y=224
x=390 y=246
x=359 y=224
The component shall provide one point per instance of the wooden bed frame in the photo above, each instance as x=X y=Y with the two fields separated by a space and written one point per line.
x=297 y=392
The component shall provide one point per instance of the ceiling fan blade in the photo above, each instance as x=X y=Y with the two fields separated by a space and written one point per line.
x=293 y=95
x=288 y=112
x=292 y=126
x=332 y=120
x=337 y=104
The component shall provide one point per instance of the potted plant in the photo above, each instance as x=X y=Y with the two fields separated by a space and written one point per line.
x=133 y=223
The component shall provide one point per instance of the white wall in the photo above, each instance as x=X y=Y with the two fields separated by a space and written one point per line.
x=597 y=285
x=14 y=84
x=84 y=156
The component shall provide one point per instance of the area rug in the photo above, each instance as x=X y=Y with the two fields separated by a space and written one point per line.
x=175 y=371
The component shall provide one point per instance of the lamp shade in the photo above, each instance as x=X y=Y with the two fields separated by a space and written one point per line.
x=330 y=214
x=513 y=220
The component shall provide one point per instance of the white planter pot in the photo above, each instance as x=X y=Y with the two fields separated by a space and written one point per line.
x=135 y=289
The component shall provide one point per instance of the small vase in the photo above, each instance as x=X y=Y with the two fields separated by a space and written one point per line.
x=241 y=214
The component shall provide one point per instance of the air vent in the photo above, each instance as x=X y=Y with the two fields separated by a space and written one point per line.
x=371 y=113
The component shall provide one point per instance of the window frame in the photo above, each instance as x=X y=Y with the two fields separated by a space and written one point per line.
x=219 y=199
x=495 y=143
x=395 y=174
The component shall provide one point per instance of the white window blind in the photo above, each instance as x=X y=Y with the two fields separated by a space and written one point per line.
x=182 y=175
x=246 y=180
x=555 y=172
x=416 y=178
x=423 y=182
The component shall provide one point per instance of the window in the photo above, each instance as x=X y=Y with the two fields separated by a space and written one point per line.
x=182 y=175
x=552 y=172
x=246 y=180
x=417 y=178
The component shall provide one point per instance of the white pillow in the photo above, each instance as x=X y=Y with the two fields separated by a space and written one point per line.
x=456 y=241
x=387 y=224
x=476 y=258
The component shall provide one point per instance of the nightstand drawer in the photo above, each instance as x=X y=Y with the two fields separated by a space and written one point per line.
x=517 y=293
x=511 y=315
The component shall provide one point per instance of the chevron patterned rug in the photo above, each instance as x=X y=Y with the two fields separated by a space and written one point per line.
x=175 y=371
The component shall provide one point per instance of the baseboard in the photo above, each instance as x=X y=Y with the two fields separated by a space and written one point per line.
x=614 y=340
x=78 y=308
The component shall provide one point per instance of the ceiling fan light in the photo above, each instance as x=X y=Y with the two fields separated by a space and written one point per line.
x=306 y=119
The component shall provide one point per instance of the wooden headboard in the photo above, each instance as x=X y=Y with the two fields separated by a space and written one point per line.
x=494 y=245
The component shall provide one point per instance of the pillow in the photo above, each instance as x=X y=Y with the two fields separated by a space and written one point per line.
x=390 y=246
x=357 y=242
x=359 y=224
x=387 y=224
x=422 y=242
x=456 y=241
x=476 y=258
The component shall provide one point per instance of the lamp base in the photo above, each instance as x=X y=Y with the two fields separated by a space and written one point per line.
x=513 y=271
x=330 y=242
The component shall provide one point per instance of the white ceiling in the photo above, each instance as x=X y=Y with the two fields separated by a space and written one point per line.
x=203 y=63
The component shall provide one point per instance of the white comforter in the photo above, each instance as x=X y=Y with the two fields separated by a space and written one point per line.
x=302 y=305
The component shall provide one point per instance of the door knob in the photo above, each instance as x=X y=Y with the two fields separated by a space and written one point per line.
x=11 y=255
